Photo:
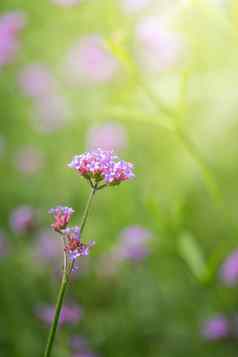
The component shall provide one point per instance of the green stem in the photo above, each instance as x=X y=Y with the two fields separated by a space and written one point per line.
x=64 y=282
x=88 y=205
x=58 y=308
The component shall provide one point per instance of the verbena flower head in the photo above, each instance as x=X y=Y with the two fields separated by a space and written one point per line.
x=229 y=270
x=216 y=328
x=62 y=217
x=102 y=165
x=74 y=248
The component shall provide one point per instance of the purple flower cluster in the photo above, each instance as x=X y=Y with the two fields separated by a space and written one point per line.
x=10 y=26
x=70 y=314
x=101 y=165
x=62 y=217
x=73 y=246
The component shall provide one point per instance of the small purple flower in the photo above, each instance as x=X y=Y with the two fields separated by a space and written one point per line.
x=73 y=246
x=229 y=270
x=89 y=61
x=23 y=219
x=108 y=136
x=70 y=314
x=102 y=165
x=216 y=328
x=36 y=81
x=118 y=172
x=62 y=217
x=29 y=160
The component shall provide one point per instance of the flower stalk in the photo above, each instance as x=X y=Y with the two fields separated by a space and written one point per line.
x=58 y=308
x=68 y=267
x=101 y=169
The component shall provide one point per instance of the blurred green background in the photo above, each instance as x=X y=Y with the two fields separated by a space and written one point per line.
x=174 y=100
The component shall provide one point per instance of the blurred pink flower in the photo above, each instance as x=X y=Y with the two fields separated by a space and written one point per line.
x=79 y=343
x=8 y=49
x=89 y=61
x=48 y=247
x=80 y=347
x=109 y=136
x=23 y=219
x=157 y=47
x=215 y=328
x=229 y=270
x=70 y=314
x=29 y=160
x=84 y=354
x=66 y=2
x=51 y=112
x=36 y=80
x=12 y=22
x=133 y=243
x=131 y=6
x=10 y=25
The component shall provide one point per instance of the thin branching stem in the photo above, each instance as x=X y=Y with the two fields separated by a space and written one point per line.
x=68 y=267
